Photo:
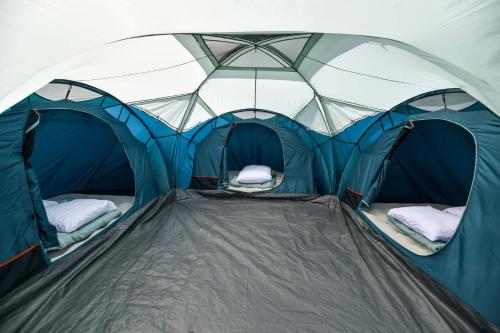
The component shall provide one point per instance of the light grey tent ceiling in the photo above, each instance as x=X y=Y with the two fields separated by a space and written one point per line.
x=324 y=81
x=46 y=40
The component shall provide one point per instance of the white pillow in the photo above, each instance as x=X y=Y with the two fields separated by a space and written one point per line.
x=427 y=221
x=255 y=174
x=457 y=211
x=48 y=203
x=71 y=215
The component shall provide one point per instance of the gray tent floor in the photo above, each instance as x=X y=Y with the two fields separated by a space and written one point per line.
x=202 y=263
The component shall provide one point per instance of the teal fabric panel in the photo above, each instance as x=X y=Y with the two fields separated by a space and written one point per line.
x=208 y=156
x=18 y=225
x=68 y=239
x=367 y=162
x=377 y=183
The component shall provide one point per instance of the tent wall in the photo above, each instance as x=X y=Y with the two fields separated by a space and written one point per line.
x=77 y=152
x=469 y=264
x=207 y=162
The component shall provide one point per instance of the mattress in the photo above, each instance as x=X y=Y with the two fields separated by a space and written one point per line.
x=377 y=214
x=278 y=179
x=123 y=202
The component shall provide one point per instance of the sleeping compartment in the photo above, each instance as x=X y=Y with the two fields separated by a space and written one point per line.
x=432 y=165
x=78 y=156
x=251 y=144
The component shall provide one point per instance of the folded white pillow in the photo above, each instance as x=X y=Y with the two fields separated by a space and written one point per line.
x=255 y=174
x=71 y=215
x=48 y=203
x=457 y=211
x=427 y=221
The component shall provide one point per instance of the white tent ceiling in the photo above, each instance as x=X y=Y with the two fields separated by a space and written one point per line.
x=125 y=49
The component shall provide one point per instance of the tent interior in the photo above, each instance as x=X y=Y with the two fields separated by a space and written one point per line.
x=219 y=162
x=431 y=163
x=78 y=156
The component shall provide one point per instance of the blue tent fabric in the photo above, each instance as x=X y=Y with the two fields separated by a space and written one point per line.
x=137 y=153
x=77 y=152
x=469 y=264
x=19 y=234
x=444 y=155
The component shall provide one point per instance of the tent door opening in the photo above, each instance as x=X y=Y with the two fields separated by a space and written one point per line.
x=251 y=144
x=431 y=164
x=78 y=156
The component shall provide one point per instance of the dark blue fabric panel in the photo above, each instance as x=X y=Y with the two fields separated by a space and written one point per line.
x=434 y=163
x=251 y=143
x=114 y=175
x=184 y=161
x=77 y=152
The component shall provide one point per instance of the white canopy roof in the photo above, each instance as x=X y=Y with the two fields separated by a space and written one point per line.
x=310 y=60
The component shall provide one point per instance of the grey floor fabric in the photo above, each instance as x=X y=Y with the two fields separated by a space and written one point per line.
x=221 y=263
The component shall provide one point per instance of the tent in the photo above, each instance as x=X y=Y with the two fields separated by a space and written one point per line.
x=157 y=106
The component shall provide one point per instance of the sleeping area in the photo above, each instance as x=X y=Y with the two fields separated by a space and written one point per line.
x=254 y=159
x=424 y=186
x=81 y=196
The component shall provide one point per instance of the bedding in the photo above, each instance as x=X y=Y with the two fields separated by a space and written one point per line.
x=430 y=245
x=267 y=185
x=457 y=211
x=71 y=215
x=68 y=239
x=428 y=221
x=123 y=202
x=48 y=203
x=255 y=174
